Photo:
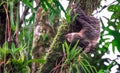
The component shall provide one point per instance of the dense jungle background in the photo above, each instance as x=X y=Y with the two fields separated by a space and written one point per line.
x=32 y=37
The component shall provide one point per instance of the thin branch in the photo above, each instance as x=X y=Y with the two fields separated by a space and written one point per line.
x=7 y=23
x=105 y=6
x=19 y=24
x=23 y=16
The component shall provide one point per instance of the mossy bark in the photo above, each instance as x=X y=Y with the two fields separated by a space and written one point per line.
x=56 y=46
x=55 y=49
x=88 y=5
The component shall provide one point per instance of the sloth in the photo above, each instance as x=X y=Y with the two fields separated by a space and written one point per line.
x=84 y=28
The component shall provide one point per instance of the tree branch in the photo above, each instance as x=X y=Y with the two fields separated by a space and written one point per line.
x=23 y=16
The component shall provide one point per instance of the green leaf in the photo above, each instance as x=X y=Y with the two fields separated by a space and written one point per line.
x=17 y=62
x=44 y=36
x=103 y=26
x=44 y=6
x=114 y=8
x=107 y=44
x=11 y=16
x=75 y=17
x=75 y=46
x=63 y=47
x=4 y=51
x=67 y=49
x=101 y=71
x=118 y=25
x=111 y=65
x=49 y=5
x=67 y=18
x=29 y=4
x=118 y=1
x=114 y=15
x=35 y=60
x=57 y=2
x=2 y=3
x=84 y=67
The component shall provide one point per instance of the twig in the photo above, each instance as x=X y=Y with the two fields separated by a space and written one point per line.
x=19 y=25
x=105 y=6
x=23 y=16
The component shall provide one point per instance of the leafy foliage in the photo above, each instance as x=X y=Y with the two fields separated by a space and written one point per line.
x=19 y=59
x=76 y=61
x=109 y=36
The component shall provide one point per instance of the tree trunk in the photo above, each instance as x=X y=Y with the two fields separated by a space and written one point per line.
x=55 y=51
x=88 y=5
x=2 y=25
x=2 y=32
x=56 y=47
x=6 y=32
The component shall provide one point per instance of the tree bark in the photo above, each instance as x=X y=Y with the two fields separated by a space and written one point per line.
x=88 y=5
x=55 y=51
x=6 y=32
x=2 y=25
